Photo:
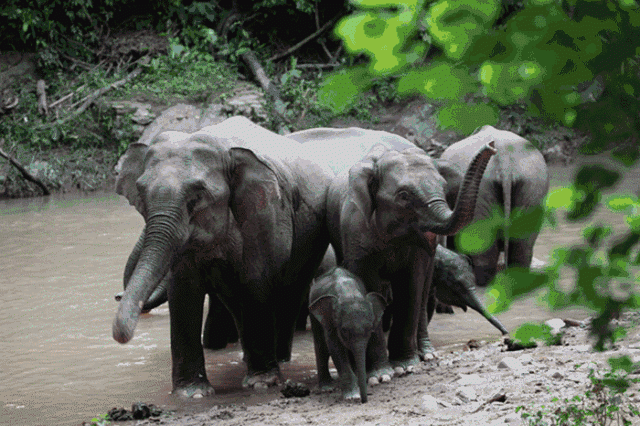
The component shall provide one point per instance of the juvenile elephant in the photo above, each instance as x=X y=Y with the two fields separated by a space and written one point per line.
x=454 y=284
x=234 y=210
x=384 y=209
x=517 y=177
x=344 y=318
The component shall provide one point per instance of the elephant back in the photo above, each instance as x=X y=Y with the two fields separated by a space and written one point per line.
x=352 y=144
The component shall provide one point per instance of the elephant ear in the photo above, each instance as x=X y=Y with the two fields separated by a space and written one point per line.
x=323 y=308
x=378 y=303
x=129 y=168
x=261 y=209
x=356 y=215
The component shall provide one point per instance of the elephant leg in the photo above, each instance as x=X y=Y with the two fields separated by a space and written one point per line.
x=289 y=307
x=521 y=252
x=258 y=337
x=425 y=347
x=378 y=365
x=325 y=382
x=186 y=299
x=409 y=292
x=219 y=328
x=340 y=355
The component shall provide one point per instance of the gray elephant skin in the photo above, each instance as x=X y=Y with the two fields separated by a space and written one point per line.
x=343 y=320
x=234 y=210
x=515 y=178
x=385 y=208
x=454 y=285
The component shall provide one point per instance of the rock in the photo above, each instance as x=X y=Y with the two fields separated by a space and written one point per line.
x=466 y=394
x=555 y=155
x=525 y=359
x=180 y=117
x=556 y=325
x=291 y=389
x=247 y=100
x=428 y=403
x=556 y=374
x=512 y=418
x=142 y=112
x=510 y=363
x=470 y=379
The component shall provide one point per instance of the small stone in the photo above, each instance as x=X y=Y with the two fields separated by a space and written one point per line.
x=512 y=418
x=556 y=325
x=469 y=379
x=555 y=374
x=373 y=381
x=429 y=403
x=466 y=394
x=291 y=389
x=510 y=363
x=525 y=359
x=140 y=411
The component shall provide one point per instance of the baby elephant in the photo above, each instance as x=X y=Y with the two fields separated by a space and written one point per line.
x=344 y=318
x=454 y=284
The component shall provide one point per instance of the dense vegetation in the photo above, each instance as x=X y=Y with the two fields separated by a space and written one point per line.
x=576 y=62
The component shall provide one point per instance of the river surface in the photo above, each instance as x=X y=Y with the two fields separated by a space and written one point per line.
x=61 y=263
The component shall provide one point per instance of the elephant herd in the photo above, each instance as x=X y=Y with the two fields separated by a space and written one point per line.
x=246 y=216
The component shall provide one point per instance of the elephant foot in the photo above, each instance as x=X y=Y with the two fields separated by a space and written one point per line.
x=426 y=350
x=402 y=367
x=195 y=390
x=326 y=387
x=262 y=380
x=352 y=394
x=381 y=374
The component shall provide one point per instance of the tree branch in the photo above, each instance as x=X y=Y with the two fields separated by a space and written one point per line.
x=28 y=176
x=306 y=40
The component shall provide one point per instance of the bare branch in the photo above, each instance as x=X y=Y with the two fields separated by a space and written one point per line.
x=28 y=176
x=306 y=40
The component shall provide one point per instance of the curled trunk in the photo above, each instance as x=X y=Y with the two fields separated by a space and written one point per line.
x=449 y=222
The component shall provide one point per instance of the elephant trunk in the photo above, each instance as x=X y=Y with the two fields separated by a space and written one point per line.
x=163 y=236
x=449 y=222
x=159 y=295
x=359 y=355
x=474 y=303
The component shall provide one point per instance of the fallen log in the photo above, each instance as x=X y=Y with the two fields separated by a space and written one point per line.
x=28 y=176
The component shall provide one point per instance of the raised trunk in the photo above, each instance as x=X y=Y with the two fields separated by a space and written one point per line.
x=359 y=355
x=450 y=222
x=162 y=238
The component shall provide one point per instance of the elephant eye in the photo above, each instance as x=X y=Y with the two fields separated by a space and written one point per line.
x=191 y=204
x=403 y=196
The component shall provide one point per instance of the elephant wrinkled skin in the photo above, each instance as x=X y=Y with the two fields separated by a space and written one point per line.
x=233 y=210
x=343 y=319
x=516 y=178
x=384 y=210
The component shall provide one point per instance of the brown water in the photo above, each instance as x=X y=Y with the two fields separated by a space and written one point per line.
x=61 y=263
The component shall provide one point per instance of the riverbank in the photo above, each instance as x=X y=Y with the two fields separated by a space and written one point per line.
x=478 y=384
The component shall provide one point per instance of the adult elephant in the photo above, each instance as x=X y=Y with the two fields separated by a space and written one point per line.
x=234 y=210
x=384 y=210
x=516 y=178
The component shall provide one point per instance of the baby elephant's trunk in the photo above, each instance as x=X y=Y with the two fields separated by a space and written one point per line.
x=359 y=355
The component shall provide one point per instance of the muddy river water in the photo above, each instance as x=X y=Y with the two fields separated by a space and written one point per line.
x=61 y=261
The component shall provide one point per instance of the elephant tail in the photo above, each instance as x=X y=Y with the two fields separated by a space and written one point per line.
x=506 y=168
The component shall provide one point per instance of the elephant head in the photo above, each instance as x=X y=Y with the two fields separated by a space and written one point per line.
x=200 y=192
x=401 y=195
x=454 y=283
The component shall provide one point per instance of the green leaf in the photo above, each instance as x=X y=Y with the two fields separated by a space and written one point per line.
x=340 y=89
x=479 y=236
x=467 y=117
x=528 y=332
x=439 y=81
x=524 y=223
x=618 y=203
x=561 y=198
